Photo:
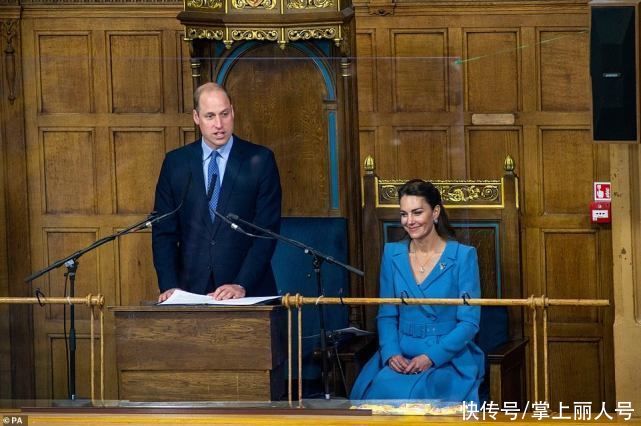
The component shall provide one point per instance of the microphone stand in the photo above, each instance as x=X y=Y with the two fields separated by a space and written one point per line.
x=317 y=260
x=71 y=263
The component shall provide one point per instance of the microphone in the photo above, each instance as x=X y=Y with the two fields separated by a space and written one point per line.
x=151 y=220
x=236 y=227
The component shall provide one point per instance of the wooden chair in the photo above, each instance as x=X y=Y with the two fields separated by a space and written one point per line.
x=485 y=214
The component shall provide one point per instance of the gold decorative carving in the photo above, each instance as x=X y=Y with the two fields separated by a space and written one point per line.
x=9 y=31
x=254 y=34
x=204 y=4
x=508 y=164
x=206 y=33
x=309 y=4
x=480 y=194
x=254 y=4
x=369 y=164
x=311 y=33
x=468 y=193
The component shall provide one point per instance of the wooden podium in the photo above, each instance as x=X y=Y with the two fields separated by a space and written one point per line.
x=200 y=353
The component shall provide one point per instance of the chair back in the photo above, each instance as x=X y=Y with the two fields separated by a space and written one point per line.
x=294 y=273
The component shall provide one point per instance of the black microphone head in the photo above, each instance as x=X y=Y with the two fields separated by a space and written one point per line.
x=232 y=216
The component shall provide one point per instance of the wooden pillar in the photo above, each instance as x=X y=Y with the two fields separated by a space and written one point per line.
x=625 y=175
x=14 y=218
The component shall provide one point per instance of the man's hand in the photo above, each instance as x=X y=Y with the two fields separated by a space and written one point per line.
x=165 y=295
x=228 y=291
x=418 y=364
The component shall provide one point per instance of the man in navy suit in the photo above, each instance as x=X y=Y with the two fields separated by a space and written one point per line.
x=195 y=250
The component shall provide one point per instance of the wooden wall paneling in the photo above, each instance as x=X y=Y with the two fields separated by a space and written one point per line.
x=131 y=88
x=577 y=373
x=529 y=70
x=487 y=147
x=138 y=154
x=564 y=66
x=384 y=67
x=136 y=274
x=58 y=379
x=567 y=163
x=65 y=65
x=186 y=135
x=411 y=142
x=367 y=70
x=570 y=277
x=183 y=73
x=136 y=79
x=456 y=106
x=456 y=67
x=9 y=30
x=15 y=123
x=419 y=70
x=531 y=61
x=386 y=151
x=262 y=85
x=492 y=69
x=5 y=319
x=64 y=150
x=567 y=167
x=104 y=171
x=170 y=59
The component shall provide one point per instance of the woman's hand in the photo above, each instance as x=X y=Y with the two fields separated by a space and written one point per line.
x=398 y=363
x=418 y=364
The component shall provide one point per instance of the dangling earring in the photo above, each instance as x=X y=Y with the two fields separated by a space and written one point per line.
x=436 y=221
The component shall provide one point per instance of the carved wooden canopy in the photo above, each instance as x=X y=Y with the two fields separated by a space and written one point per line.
x=279 y=21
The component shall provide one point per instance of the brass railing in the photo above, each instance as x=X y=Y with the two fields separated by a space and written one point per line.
x=90 y=300
x=533 y=303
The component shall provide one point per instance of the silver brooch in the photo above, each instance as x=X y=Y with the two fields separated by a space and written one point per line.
x=442 y=266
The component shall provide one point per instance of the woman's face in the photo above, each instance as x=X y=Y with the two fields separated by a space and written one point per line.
x=417 y=216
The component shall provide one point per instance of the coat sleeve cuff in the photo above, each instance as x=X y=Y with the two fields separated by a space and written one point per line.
x=389 y=351
x=437 y=355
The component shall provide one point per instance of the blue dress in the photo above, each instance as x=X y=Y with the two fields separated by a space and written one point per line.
x=444 y=333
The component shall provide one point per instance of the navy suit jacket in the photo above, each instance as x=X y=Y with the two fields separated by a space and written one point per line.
x=195 y=255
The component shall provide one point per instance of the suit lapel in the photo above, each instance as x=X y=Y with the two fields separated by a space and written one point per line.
x=402 y=264
x=445 y=262
x=236 y=158
x=196 y=169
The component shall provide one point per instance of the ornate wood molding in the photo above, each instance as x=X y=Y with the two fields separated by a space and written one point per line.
x=9 y=32
x=279 y=21
x=101 y=2
x=455 y=193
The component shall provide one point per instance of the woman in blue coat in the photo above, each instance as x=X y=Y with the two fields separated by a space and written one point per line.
x=426 y=351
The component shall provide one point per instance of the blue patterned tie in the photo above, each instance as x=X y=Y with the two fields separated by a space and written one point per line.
x=213 y=177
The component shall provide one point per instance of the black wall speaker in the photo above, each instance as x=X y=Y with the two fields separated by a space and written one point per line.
x=613 y=70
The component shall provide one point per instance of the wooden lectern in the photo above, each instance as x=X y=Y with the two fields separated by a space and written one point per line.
x=200 y=353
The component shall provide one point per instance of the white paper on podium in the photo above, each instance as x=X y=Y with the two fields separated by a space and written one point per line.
x=180 y=297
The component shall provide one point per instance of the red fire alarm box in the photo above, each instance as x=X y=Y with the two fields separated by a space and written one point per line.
x=600 y=212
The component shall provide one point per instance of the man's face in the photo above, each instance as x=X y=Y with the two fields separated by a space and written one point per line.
x=215 y=117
